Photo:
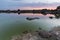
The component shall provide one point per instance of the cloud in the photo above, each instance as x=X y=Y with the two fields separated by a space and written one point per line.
x=36 y=1
x=9 y=4
x=16 y=0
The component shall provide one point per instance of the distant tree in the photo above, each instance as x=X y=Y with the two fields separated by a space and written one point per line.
x=18 y=11
x=57 y=12
x=44 y=11
x=58 y=7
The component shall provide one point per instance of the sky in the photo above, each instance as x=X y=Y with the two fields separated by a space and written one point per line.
x=29 y=4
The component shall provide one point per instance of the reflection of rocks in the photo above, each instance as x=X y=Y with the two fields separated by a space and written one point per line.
x=39 y=35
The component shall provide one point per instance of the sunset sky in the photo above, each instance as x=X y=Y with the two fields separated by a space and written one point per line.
x=29 y=4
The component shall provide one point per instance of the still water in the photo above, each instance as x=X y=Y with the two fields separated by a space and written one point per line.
x=13 y=24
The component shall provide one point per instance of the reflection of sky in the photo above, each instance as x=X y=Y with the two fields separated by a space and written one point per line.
x=7 y=4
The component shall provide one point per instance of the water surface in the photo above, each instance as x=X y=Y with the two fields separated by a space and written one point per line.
x=13 y=24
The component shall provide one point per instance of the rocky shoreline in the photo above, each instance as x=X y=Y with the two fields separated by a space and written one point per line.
x=39 y=35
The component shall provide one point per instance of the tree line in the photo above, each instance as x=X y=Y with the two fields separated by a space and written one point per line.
x=55 y=12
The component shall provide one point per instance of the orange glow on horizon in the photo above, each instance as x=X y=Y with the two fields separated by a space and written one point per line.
x=36 y=8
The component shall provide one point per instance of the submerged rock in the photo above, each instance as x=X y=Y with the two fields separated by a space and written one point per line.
x=44 y=34
x=56 y=32
x=32 y=18
x=53 y=34
x=51 y=17
x=39 y=35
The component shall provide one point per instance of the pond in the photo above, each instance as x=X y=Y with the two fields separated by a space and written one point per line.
x=14 y=24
